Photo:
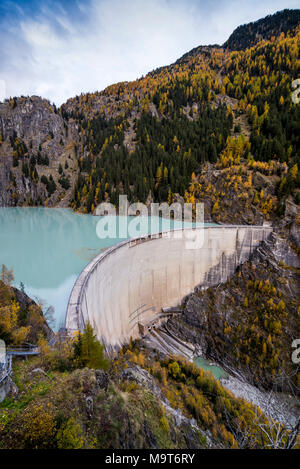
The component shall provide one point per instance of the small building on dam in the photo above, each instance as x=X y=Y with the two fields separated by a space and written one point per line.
x=127 y=286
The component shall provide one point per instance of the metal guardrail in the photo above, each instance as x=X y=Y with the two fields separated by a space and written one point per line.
x=18 y=351
x=23 y=350
x=7 y=368
x=23 y=353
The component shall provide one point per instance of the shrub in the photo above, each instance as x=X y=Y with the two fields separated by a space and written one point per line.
x=165 y=424
x=38 y=427
x=70 y=435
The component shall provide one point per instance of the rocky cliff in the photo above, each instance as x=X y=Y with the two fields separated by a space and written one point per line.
x=36 y=153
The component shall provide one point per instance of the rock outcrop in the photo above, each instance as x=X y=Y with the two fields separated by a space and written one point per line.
x=35 y=140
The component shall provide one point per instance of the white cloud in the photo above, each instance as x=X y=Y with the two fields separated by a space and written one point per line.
x=57 y=55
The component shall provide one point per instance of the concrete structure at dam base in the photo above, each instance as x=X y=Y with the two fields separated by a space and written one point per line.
x=124 y=290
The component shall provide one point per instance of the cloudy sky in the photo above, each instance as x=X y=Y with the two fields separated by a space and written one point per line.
x=61 y=48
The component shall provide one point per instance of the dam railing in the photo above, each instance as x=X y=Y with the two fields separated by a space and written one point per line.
x=7 y=369
x=16 y=351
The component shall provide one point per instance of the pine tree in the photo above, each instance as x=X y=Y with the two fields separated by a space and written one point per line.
x=89 y=351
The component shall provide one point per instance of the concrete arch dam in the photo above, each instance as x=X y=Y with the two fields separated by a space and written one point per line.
x=128 y=285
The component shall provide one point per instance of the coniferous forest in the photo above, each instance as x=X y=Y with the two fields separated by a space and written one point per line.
x=154 y=136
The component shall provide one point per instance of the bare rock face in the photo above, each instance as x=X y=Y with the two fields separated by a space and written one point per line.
x=31 y=118
x=295 y=234
x=143 y=378
x=34 y=141
x=89 y=401
x=102 y=379
x=283 y=252
x=5 y=180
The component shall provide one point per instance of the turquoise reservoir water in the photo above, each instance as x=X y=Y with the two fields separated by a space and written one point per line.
x=207 y=366
x=48 y=248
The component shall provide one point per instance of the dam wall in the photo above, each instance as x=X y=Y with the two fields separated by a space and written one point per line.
x=127 y=285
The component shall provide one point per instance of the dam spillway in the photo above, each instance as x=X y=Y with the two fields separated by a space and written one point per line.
x=129 y=284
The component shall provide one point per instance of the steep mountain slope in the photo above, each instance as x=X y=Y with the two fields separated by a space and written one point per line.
x=36 y=152
x=249 y=34
x=250 y=88
x=150 y=138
